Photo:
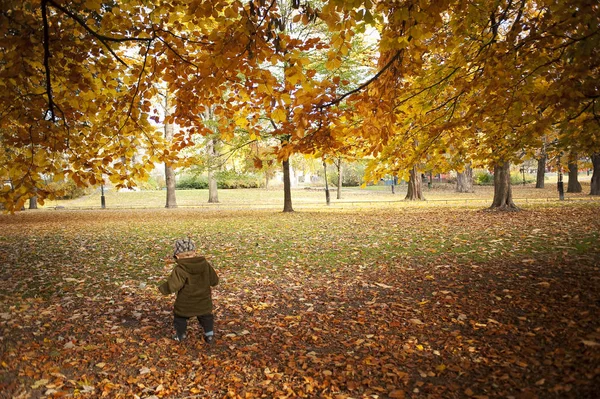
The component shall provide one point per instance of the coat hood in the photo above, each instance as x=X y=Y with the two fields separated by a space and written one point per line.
x=195 y=265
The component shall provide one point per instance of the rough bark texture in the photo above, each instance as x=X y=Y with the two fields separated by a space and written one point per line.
x=213 y=195
x=464 y=180
x=503 y=200
x=595 y=184
x=574 y=186
x=33 y=202
x=339 y=185
x=287 y=187
x=415 y=186
x=541 y=172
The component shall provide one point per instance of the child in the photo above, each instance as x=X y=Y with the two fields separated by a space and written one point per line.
x=191 y=279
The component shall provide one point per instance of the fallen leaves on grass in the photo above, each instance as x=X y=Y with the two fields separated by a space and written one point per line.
x=308 y=305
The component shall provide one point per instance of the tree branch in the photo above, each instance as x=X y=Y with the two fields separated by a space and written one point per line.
x=102 y=38
x=47 y=60
x=364 y=85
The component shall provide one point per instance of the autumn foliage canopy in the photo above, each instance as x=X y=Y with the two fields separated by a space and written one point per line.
x=451 y=82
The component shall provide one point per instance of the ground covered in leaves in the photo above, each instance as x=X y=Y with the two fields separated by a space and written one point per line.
x=394 y=303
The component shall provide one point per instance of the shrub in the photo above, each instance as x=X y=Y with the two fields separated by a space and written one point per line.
x=150 y=184
x=67 y=189
x=483 y=177
x=230 y=179
x=192 y=182
x=352 y=174
x=516 y=178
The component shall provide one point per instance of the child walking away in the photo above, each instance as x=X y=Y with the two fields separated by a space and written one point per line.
x=191 y=279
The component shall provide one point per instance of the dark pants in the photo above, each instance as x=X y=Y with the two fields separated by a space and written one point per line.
x=206 y=321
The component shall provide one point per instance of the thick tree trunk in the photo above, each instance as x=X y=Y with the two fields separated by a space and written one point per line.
x=340 y=178
x=464 y=180
x=415 y=186
x=541 y=171
x=287 y=187
x=574 y=186
x=595 y=184
x=33 y=202
x=502 y=189
x=213 y=195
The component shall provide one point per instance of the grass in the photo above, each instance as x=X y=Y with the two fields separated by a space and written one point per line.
x=314 y=198
x=334 y=302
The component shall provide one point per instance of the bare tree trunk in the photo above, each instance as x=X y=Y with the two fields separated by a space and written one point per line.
x=464 y=180
x=340 y=178
x=266 y=181
x=595 y=184
x=574 y=186
x=287 y=187
x=169 y=171
x=33 y=202
x=170 y=183
x=213 y=195
x=541 y=171
x=415 y=186
x=503 y=199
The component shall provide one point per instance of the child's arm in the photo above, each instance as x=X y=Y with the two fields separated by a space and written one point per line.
x=173 y=284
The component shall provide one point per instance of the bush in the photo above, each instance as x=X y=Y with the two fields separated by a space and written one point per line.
x=150 y=184
x=517 y=178
x=192 y=182
x=483 y=177
x=352 y=174
x=229 y=179
x=67 y=189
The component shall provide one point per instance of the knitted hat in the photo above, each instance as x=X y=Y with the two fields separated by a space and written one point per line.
x=184 y=245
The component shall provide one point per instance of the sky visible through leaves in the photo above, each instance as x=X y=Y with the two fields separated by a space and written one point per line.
x=394 y=303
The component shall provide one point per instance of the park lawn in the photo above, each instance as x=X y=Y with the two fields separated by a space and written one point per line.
x=387 y=302
x=314 y=197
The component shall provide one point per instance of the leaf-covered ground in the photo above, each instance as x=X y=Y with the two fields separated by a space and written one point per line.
x=394 y=303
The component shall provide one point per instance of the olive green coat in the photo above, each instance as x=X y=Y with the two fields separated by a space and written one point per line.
x=191 y=279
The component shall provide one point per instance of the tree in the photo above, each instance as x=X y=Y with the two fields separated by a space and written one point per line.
x=595 y=183
x=415 y=183
x=541 y=170
x=464 y=180
x=33 y=202
x=502 y=189
x=574 y=186
x=169 y=169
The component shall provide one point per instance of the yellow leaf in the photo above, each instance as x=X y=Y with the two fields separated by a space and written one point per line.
x=278 y=115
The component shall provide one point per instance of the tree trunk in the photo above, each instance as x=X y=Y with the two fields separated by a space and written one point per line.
x=170 y=183
x=541 y=171
x=595 y=184
x=287 y=187
x=464 y=180
x=340 y=178
x=502 y=189
x=169 y=171
x=33 y=202
x=213 y=196
x=415 y=186
x=574 y=186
